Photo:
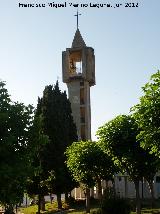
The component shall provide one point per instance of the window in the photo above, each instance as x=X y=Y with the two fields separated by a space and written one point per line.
x=82 y=113
x=83 y=135
x=81 y=83
x=81 y=96
x=75 y=62
x=79 y=67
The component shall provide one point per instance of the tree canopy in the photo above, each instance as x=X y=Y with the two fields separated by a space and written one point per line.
x=118 y=139
x=58 y=125
x=88 y=163
x=147 y=115
x=15 y=164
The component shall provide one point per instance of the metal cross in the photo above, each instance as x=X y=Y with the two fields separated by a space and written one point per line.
x=77 y=17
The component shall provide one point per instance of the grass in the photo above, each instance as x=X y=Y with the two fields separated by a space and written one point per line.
x=149 y=211
x=33 y=210
x=29 y=210
x=51 y=209
x=79 y=208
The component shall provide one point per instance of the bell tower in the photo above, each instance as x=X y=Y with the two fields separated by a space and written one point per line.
x=78 y=71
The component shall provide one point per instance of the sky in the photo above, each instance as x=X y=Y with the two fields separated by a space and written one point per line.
x=126 y=41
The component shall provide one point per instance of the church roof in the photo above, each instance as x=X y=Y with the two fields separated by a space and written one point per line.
x=78 y=40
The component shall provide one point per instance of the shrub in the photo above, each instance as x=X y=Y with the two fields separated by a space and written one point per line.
x=99 y=211
x=71 y=201
x=115 y=206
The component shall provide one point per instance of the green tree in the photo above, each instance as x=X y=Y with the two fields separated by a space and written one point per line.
x=118 y=140
x=15 y=165
x=147 y=115
x=58 y=125
x=151 y=166
x=89 y=164
x=37 y=181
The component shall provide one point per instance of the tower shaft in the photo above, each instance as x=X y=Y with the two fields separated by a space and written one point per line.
x=79 y=96
x=78 y=68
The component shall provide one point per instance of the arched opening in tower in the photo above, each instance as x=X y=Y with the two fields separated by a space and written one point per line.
x=75 y=62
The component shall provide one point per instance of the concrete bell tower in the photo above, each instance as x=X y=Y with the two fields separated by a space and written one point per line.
x=78 y=70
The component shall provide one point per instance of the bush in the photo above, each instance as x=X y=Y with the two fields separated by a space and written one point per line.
x=99 y=211
x=71 y=201
x=115 y=206
x=94 y=201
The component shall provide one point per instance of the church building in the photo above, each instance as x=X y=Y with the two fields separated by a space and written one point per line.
x=78 y=68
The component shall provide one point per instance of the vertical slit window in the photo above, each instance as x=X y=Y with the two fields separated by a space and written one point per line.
x=82 y=111
x=81 y=96
x=83 y=134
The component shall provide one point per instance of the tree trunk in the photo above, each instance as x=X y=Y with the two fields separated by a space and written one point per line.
x=51 y=197
x=87 y=200
x=150 y=182
x=106 y=184
x=26 y=201
x=39 y=204
x=42 y=203
x=92 y=192
x=138 y=201
x=99 y=187
x=59 y=202
x=142 y=188
x=66 y=197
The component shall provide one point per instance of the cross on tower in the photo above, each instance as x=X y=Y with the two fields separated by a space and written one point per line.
x=77 y=17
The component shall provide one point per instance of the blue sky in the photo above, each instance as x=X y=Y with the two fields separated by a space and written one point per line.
x=126 y=43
